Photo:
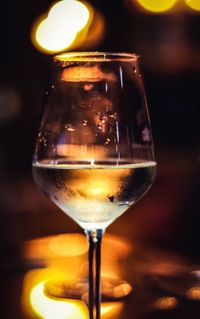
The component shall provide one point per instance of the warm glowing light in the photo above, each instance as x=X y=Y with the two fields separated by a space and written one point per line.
x=84 y=74
x=122 y=290
x=65 y=256
x=53 y=37
x=111 y=308
x=60 y=27
x=69 y=245
x=98 y=188
x=71 y=14
x=66 y=245
x=193 y=293
x=166 y=303
x=92 y=161
x=193 y=4
x=68 y=253
x=50 y=308
x=37 y=303
x=157 y=6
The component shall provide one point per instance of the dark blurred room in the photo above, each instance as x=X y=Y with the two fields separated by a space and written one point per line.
x=155 y=245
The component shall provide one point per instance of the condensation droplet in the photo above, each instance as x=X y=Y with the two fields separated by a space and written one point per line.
x=112 y=115
x=69 y=128
x=107 y=141
x=146 y=137
x=103 y=119
x=83 y=106
x=99 y=126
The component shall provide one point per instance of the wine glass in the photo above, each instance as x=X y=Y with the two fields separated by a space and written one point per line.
x=94 y=153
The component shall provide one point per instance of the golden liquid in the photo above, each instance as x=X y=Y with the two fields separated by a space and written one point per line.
x=94 y=195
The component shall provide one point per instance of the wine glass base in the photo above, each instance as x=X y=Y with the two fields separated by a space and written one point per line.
x=111 y=289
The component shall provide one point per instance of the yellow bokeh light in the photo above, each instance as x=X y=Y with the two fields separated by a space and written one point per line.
x=157 y=6
x=70 y=13
x=60 y=27
x=193 y=4
x=50 y=308
x=37 y=304
x=53 y=37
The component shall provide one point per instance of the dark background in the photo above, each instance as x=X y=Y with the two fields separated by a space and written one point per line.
x=168 y=217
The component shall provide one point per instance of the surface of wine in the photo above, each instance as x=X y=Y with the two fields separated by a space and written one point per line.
x=94 y=195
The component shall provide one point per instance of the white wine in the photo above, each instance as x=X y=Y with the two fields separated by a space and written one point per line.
x=94 y=195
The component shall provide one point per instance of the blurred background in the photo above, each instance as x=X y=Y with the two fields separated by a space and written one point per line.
x=153 y=248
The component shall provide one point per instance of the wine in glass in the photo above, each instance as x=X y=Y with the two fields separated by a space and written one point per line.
x=94 y=153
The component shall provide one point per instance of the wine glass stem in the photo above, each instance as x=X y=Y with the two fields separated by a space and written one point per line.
x=94 y=239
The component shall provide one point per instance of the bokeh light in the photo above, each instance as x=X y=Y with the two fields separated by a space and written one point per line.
x=68 y=245
x=50 y=308
x=37 y=303
x=157 y=6
x=193 y=293
x=71 y=14
x=65 y=22
x=166 y=303
x=193 y=4
x=53 y=38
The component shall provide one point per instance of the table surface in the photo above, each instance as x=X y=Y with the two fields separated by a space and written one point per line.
x=164 y=284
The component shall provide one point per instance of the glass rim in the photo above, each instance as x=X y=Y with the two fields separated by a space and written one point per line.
x=95 y=56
